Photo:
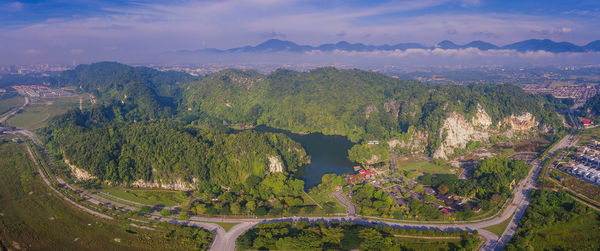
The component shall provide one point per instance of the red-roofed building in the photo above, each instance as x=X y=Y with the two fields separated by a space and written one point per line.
x=586 y=121
x=445 y=211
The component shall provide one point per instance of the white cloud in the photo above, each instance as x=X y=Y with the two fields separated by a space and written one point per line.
x=154 y=28
x=562 y=30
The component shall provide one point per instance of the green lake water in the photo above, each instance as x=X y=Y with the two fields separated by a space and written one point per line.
x=328 y=154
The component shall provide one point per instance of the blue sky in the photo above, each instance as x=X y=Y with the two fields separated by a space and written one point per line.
x=93 y=29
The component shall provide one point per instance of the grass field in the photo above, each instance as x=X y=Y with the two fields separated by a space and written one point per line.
x=33 y=217
x=590 y=190
x=499 y=228
x=6 y=104
x=415 y=168
x=580 y=233
x=225 y=225
x=323 y=198
x=38 y=113
x=149 y=197
x=588 y=134
x=352 y=240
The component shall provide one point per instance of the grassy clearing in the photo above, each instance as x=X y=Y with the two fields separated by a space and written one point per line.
x=590 y=190
x=589 y=134
x=415 y=168
x=499 y=228
x=150 y=197
x=35 y=218
x=7 y=104
x=580 y=233
x=38 y=113
x=324 y=200
x=225 y=225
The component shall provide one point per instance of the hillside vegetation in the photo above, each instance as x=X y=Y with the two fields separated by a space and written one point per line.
x=358 y=104
x=165 y=151
x=33 y=217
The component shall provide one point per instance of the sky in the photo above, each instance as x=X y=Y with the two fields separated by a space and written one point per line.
x=60 y=31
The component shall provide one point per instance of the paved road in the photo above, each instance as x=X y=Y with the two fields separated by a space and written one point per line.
x=226 y=240
x=350 y=208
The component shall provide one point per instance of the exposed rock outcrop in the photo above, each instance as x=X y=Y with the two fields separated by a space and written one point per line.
x=392 y=106
x=177 y=184
x=369 y=109
x=458 y=132
x=416 y=142
x=79 y=173
x=275 y=164
x=482 y=119
x=523 y=122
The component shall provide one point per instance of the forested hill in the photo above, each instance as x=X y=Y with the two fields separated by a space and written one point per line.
x=591 y=108
x=359 y=104
x=169 y=153
x=106 y=76
x=151 y=93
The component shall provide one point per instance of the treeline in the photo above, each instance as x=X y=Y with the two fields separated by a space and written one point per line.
x=491 y=183
x=303 y=235
x=358 y=104
x=123 y=152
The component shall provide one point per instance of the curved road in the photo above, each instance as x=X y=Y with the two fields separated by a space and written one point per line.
x=226 y=240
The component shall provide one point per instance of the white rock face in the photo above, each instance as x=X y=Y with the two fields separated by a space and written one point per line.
x=78 y=172
x=416 y=143
x=459 y=132
x=178 y=184
x=275 y=164
x=482 y=119
x=523 y=122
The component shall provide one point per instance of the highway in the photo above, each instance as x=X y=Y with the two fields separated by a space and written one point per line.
x=225 y=240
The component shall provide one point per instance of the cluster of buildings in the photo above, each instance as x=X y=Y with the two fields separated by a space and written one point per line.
x=575 y=92
x=579 y=92
x=362 y=175
x=586 y=163
x=40 y=91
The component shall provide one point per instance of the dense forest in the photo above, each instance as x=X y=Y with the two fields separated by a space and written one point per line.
x=347 y=236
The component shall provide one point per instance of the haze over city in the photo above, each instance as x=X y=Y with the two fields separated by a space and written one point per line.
x=142 y=32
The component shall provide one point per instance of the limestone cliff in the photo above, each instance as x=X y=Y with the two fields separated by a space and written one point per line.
x=523 y=122
x=413 y=142
x=456 y=131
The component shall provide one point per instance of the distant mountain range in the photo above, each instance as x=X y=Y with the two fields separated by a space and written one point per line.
x=276 y=45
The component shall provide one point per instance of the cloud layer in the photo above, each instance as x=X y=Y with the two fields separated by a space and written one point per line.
x=138 y=31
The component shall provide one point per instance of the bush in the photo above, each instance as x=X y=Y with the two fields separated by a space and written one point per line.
x=145 y=210
x=165 y=212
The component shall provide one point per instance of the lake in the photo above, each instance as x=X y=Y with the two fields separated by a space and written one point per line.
x=328 y=154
